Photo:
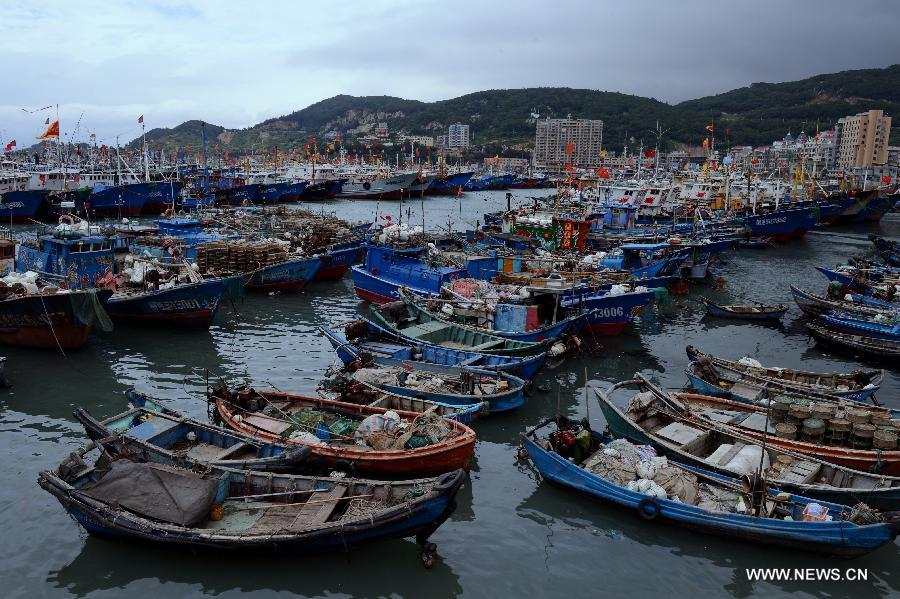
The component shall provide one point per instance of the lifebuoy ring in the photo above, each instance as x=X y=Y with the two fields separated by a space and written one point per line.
x=245 y=203
x=169 y=213
x=66 y=219
x=649 y=508
x=367 y=186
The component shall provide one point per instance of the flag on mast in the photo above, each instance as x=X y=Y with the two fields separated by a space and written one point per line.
x=141 y=119
x=10 y=145
x=52 y=131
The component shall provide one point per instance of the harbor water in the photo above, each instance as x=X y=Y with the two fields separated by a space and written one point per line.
x=511 y=535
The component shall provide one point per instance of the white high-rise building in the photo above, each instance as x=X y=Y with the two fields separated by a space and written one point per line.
x=458 y=136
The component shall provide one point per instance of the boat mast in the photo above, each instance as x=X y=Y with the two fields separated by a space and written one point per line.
x=144 y=147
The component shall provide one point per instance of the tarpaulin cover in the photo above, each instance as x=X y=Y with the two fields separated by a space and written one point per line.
x=156 y=491
x=89 y=310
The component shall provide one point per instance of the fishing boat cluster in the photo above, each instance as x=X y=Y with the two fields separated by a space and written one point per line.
x=457 y=326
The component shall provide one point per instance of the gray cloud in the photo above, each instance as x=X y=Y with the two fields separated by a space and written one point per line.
x=237 y=64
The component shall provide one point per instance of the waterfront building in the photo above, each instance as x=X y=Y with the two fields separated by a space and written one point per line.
x=862 y=139
x=583 y=138
x=458 y=136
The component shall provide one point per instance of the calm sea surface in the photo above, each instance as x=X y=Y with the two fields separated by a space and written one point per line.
x=512 y=535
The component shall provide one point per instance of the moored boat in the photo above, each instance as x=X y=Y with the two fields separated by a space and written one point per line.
x=243 y=510
x=720 y=505
x=428 y=445
x=745 y=312
x=699 y=442
x=859 y=385
x=415 y=325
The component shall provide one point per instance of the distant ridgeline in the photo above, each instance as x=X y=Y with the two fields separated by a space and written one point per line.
x=753 y=115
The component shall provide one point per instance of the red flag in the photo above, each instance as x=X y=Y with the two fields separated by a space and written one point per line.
x=52 y=131
x=886 y=180
x=570 y=148
x=650 y=153
x=141 y=119
x=603 y=173
x=10 y=146
x=312 y=140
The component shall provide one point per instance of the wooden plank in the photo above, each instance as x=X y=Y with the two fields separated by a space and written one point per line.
x=729 y=455
x=320 y=511
x=679 y=433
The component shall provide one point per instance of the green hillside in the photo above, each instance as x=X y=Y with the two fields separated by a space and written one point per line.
x=753 y=115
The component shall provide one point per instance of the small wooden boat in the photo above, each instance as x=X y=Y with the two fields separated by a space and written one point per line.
x=881 y=349
x=775 y=521
x=817 y=305
x=754 y=312
x=750 y=421
x=462 y=387
x=181 y=441
x=428 y=445
x=418 y=326
x=373 y=339
x=243 y=510
x=649 y=419
x=878 y=327
x=746 y=382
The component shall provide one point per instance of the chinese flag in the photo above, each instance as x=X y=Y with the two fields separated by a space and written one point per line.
x=52 y=131
x=650 y=153
x=10 y=145
x=884 y=179
x=570 y=148
x=312 y=140
x=603 y=173
x=141 y=119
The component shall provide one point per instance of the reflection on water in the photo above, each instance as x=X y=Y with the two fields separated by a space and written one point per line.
x=511 y=534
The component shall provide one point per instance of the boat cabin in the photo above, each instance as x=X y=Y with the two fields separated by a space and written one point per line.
x=79 y=261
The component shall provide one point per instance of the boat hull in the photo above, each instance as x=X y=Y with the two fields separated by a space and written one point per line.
x=48 y=321
x=291 y=276
x=192 y=304
x=21 y=206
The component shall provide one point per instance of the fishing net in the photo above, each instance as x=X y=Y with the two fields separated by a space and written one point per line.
x=234 y=287
x=716 y=499
x=89 y=310
x=611 y=468
x=677 y=483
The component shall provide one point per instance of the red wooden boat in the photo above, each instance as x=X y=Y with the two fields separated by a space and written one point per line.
x=241 y=410
x=882 y=461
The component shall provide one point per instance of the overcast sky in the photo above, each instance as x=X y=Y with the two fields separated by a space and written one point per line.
x=237 y=63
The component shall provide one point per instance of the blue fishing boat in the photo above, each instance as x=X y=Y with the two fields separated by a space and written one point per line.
x=448 y=184
x=647 y=260
x=418 y=326
x=226 y=509
x=387 y=269
x=477 y=184
x=131 y=199
x=460 y=386
x=21 y=206
x=189 y=304
x=378 y=341
x=293 y=191
x=149 y=428
x=292 y=275
x=338 y=259
x=236 y=193
x=271 y=193
x=887 y=329
x=503 y=326
x=782 y=224
x=876 y=349
x=779 y=522
x=608 y=312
